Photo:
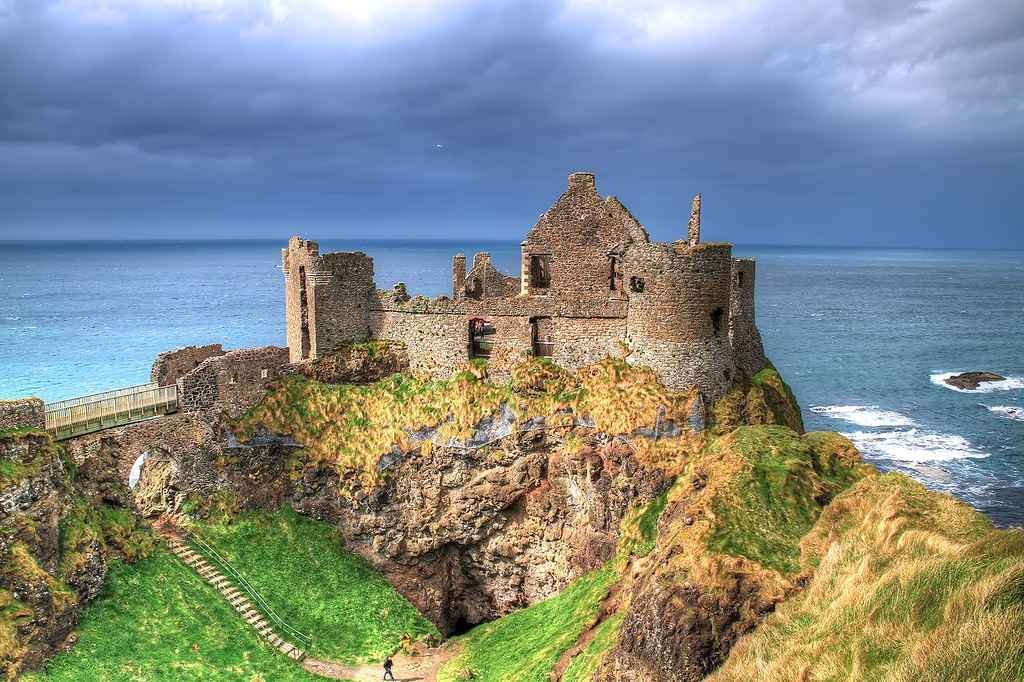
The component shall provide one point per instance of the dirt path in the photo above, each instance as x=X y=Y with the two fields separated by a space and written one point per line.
x=422 y=667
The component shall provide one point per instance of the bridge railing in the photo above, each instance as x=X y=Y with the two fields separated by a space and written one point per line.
x=85 y=414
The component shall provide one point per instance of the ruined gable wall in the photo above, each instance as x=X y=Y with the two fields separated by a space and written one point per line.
x=671 y=326
x=233 y=382
x=748 y=350
x=577 y=232
x=171 y=365
x=485 y=281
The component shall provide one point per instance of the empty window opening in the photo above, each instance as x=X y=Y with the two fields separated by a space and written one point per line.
x=636 y=284
x=614 y=273
x=739 y=278
x=716 y=321
x=234 y=378
x=541 y=332
x=264 y=373
x=540 y=271
x=476 y=288
x=481 y=338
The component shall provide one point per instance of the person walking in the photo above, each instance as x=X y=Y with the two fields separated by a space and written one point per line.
x=388 y=664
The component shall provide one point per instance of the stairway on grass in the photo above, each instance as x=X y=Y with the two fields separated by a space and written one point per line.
x=235 y=596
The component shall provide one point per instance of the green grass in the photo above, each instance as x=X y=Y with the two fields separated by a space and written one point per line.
x=524 y=646
x=585 y=664
x=157 y=620
x=775 y=500
x=299 y=566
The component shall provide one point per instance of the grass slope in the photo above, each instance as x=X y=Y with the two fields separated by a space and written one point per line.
x=156 y=620
x=299 y=566
x=524 y=646
x=910 y=585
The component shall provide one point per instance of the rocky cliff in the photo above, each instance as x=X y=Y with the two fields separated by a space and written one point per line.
x=59 y=527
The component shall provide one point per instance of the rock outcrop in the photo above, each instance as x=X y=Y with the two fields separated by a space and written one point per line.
x=969 y=381
x=54 y=545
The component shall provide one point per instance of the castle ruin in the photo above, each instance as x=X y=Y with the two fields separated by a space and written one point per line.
x=591 y=282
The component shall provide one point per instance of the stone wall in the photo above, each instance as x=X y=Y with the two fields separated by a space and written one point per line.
x=744 y=337
x=22 y=413
x=231 y=383
x=171 y=365
x=672 y=304
x=679 y=322
x=436 y=343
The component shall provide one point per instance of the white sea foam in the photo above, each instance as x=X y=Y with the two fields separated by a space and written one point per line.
x=1008 y=384
x=864 y=415
x=1007 y=412
x=914 y=445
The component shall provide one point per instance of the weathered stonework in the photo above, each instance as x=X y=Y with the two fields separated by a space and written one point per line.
x=591 y=282
x=23 y=413
x=231 y=383
x=171 y=365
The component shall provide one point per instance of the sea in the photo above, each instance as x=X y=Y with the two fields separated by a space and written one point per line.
x=864 y=336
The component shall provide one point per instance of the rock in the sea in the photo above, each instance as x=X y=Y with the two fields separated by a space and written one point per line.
x=969 y=381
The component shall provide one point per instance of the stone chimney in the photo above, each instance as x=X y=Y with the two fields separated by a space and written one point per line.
x=459 y=275
x=582 y=182
x=693 y=230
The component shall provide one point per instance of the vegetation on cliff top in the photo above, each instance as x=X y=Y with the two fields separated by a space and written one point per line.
x=353 y=426
x=909 y=585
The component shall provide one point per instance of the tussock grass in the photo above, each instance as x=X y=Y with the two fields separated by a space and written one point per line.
x=299 y=566
x=909 y=585
x=586 y=663
x=766 y=399
x=775 y=495
x=351 y=427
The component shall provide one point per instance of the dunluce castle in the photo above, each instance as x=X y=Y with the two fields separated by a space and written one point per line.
x=591 y=284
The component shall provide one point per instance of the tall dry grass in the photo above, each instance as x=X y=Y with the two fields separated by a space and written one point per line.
x=907 y=585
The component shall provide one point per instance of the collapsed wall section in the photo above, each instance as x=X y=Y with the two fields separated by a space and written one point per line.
x=678 y=319
x=231 y=383
x=171 y=365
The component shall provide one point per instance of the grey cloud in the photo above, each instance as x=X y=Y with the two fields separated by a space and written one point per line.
x=222 y=120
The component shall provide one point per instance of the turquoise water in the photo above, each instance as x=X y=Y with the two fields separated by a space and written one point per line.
x=862 y=335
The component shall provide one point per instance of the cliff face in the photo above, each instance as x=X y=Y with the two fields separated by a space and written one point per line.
x=55 y=543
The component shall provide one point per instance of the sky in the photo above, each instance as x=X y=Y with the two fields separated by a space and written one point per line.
x=865 y=122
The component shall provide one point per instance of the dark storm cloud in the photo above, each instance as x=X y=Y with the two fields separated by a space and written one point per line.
x=858 y=122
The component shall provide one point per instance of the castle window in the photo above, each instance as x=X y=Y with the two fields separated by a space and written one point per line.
x=716 y=321
x=636 y=284
x=739 y=278
x=264 y=373
x=614 y=272
x=234 y=379
x=540 y=271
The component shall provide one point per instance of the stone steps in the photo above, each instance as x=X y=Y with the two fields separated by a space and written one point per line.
x=238 y=600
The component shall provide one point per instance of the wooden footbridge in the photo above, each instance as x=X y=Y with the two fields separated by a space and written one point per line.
x=85 y=414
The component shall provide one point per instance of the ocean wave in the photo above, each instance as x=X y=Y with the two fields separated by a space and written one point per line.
x=864 y=415
x=1007 y=412
x=1008 y=384
x=914 y=445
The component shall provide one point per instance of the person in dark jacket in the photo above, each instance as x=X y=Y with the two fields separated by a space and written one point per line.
x=388 y=664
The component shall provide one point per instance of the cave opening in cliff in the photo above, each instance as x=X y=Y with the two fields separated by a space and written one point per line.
x=461 y=626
